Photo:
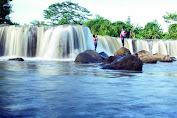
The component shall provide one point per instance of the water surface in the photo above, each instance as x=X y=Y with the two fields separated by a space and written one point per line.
x=64 y=89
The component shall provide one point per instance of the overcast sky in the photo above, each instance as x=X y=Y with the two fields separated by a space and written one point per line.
x=140 y=11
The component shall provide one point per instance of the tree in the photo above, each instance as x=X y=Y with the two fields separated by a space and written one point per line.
x=173 y=31
x=100 y=26
x=94 y=24
x=153 y=30
x=66 y=13
x=138 y=32
x=128 y=27
x=117 y=27
x=5 y=10
x=170 y=17
x=128 y=20
x=106 y=28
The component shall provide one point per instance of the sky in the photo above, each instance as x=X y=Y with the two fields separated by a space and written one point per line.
x=140 y=11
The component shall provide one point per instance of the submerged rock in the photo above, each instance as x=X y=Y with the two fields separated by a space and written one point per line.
x=127 y=62
x=122 y=51
x=103 y=55
x=173 y=58
x=163 y=58
x=89 y=56
x=111 y=59
x=146 y=57
x=16 y=59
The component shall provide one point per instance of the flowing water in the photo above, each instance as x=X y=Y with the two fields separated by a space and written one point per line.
x=65 y=89
x=49 y=84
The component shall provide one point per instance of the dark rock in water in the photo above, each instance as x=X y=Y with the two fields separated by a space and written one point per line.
x=111 y=59
x=146 y=57
x=103 y=55
x=89 y=56
x=173 y=58
x=127 y=62
x=122 y=51
x=163 y=58
x=16 y=59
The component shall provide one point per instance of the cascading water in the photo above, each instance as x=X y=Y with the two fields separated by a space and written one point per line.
x=57 y=42
x=112 y=44
x=66 y=41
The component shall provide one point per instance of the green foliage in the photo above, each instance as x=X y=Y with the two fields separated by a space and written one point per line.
x=66 y=13
x=128 y=27
x=138 y=32
x=105 y=29
x=152 y=30
x=173 y=31
x=14 y=23
x=117 y=26
x=102 y=26
x=169 y=17
x=5 y=10
x=165 y=35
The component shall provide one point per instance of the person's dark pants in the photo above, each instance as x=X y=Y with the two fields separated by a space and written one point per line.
x=122 y=41
x=95 y=43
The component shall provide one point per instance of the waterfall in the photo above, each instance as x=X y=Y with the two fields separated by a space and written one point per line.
x=67 y=41
x=112 y=44
x=57 y=42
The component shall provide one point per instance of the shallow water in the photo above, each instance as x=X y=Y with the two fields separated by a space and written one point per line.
x=64 y=89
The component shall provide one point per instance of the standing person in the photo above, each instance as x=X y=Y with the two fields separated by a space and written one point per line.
x=95 y=39
x=122 y=36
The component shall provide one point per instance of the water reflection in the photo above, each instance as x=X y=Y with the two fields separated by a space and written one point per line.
x=164 y=74
x=51 y=68
x=61 y=68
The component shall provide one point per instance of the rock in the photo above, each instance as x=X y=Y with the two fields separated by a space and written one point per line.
x=89 y=56
x=111 y=59
x=173 y=58
x=146 y=57
x=16 y=59
x=122 y=51
x=127 y=62
x=103 y=55
x=163 y=58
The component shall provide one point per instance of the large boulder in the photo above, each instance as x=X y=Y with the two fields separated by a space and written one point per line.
x=16 y=59
x=127 y=62
x=163 y=58
x=122 y=51
x=146 y=57
x=89 y=56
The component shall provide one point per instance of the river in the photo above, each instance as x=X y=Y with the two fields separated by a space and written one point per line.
x=65 y=89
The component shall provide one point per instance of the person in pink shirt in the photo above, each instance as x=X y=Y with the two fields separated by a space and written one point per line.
x=122 y=36
x=95 y=39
